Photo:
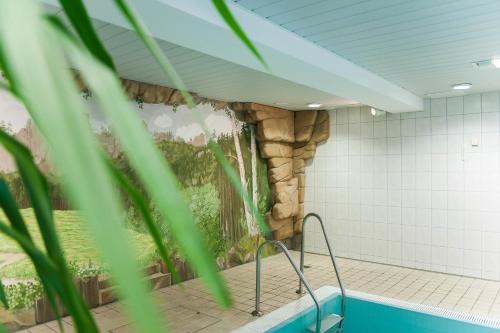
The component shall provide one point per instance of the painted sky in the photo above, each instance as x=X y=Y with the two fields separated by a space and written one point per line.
x=159 y=118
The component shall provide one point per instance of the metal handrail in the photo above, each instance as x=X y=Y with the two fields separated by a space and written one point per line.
x=342 y=290
x=257 y=311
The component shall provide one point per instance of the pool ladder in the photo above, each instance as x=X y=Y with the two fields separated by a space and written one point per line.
x=329 y=321
x=332 y=319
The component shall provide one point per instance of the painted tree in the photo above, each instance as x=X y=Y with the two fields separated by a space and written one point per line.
x=251 y=227
x=255 y=193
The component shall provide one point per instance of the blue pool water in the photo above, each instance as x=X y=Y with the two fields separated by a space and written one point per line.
x=366 y=316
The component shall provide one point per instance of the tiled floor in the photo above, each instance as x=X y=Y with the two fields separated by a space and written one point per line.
x=192 y=309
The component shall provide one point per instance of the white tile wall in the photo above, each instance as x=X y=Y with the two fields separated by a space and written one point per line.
x=411 y=189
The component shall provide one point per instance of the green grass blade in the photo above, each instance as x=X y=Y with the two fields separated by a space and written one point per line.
x=171 y=73
x=152 y=227
x=47 y=266
x=152 y=46
x=150 y=166
x=3 y=296
x=58 y=111
x=77 y=14
x=226 y=14
x=10 y=209
x=4 y=86
x=133 y=194
x=37 y=189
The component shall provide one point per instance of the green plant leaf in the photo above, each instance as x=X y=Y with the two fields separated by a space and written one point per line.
x=10 y=209
x=47 y=267
x=3 y=297
x=152 y=227
x=171 y=73
x=152 y=46
x=58 y=111
x=77 y=15
x=226 y=14
x=9 y=206
x=4 y=86
x=156 y=175
x=37 y=189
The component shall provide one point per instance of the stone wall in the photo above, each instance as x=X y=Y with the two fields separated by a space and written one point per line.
x=287 y=139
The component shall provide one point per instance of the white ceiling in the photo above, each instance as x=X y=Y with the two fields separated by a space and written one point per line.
x=206 y=75
x=423 y=46
x=215 y=63
x=203 y=74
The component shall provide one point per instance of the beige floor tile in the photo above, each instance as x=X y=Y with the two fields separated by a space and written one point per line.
x=192 y=308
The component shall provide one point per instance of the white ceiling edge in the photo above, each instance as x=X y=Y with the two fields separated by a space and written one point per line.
x=195 y=24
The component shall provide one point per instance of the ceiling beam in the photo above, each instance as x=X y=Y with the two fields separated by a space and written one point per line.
x=195 y=24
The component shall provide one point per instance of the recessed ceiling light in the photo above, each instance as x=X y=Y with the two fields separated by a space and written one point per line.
x=496 y=62
x=461 y=86
x=314 y=105
x=376 y=112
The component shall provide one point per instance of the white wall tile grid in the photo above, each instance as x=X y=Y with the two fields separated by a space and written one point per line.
x=419 y=189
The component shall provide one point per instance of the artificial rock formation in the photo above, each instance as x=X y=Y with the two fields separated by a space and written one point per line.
x=155 y=94
x=287 y=139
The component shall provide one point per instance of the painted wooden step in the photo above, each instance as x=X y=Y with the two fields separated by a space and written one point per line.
x=156 y=281
x=327 y=323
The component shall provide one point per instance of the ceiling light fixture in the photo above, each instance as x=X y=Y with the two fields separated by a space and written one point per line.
x=492 y=63
x=377 y=112
x=314 y=105
x=462 y=86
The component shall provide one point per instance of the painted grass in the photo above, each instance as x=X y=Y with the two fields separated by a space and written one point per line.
x=75 y=241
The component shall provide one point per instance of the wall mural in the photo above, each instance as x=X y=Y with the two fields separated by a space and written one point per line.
x=227 y=225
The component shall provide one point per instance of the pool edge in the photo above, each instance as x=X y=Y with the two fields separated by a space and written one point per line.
x=290 y=310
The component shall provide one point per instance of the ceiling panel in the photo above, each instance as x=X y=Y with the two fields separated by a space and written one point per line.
x=423 y=46
x=206 y=75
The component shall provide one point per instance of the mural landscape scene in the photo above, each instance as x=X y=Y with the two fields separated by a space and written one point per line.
x=229 y=230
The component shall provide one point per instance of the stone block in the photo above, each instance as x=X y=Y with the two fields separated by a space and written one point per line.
x=283 y=210
x=306 y=152
x=285 y=191
x=304 y=125
x=276 y=162
x=297 y=225
x=280 y=130
x=275 y=149
x=321 y=130
x=300 y=211
x=301 y=180
x=302 y=194
x=286 y=231
x=299 y=166
x=281 y=173
x=276 y=224
x=259 y=112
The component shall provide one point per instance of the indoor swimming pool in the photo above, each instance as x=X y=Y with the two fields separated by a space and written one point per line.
x=369 y=313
